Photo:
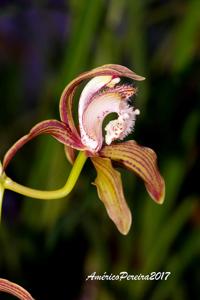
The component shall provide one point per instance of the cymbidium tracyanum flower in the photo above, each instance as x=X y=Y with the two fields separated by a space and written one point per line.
x=101 y=96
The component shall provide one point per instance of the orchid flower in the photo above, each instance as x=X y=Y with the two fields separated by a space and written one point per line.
x=103 y=94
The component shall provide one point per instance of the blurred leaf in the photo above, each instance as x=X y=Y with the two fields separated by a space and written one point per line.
x=135 y=44
x=81 y=40
x=8 y=257
x=186 y=37
x=168 y=233
x=153 y=216
x=177 y=264
x=164 y=239
x=49 y=171
x=190 y=130
x=108 y=48
x=115 y=13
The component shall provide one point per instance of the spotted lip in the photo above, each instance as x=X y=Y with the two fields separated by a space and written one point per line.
x=95 y=104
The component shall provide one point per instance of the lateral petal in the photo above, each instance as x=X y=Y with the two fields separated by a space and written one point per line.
x=56 y=129
x=67 y=96
x=110 y=191
x=142 y=161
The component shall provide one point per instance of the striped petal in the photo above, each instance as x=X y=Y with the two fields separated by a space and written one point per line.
x=110 y=191
x=67 y=96
x=142 y=161
x=14 y=289
x=56 y=129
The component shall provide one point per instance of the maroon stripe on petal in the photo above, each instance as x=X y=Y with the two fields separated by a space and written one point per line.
x=129 y=152
x=142 y=161
x=110 y=191
x=141 y=158
x=14 y=289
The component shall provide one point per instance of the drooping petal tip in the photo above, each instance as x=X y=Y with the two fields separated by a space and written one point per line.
x=143 y=162
x=158 y=195
x=121 y=71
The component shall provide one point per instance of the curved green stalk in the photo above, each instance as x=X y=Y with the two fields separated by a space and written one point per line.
x=9 y=184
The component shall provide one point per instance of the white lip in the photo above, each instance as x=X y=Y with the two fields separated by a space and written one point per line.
x=95 y=105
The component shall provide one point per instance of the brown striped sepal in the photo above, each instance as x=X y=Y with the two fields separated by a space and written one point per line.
x=142 y=161
x=14 y=289
x=110 y=191
x=59 y=130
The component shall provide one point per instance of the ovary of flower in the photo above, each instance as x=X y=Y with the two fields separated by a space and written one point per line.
x=118 y=129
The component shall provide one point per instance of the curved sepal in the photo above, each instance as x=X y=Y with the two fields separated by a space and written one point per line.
x=56 y=129
x=142 y=161
x=110 y=191
x=68 y=93
x=14 y=289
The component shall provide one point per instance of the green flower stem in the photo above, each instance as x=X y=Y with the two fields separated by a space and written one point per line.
x=9 y=184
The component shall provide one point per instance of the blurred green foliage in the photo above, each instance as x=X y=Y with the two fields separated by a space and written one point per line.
x=51 y=247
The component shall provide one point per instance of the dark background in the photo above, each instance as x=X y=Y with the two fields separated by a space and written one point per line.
x=50 y=247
